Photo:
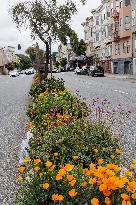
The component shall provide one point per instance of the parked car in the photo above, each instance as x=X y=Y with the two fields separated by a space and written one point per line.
x=96 y=71
x=14 y=73
x=84 y=70
x=22 y=72
x=29 y=71
x=78 y=71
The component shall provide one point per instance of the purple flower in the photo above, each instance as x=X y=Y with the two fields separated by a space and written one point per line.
x=113 y=110
x=77 y=90
x=51 y=110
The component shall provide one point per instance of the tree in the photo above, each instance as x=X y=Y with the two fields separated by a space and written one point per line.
x=25 y=62
x=32 y=52
x=45 y=18
x=63 y=62
x=81 y=48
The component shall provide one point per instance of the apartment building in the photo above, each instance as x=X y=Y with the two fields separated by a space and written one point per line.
x=102 y=35
x=88 y=36
x=121 y=36
x=133 y=6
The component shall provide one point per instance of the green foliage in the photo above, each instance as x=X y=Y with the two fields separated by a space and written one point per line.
x=81 y=48
x=88 y=141
x=31 y=51
x=25 y=62
x=57 y=64
x=63 y=62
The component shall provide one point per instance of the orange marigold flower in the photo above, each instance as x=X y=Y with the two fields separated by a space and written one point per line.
x=75 y=158
x=58 y=177
x=92 y=181
x=94 y=201
x=125 y=196
x=100 y=161
x=133 y=196
x=41 y=174
x=106 y=192
x=69 y=167
x=132 y=186
x=84 y=184
x=21 y=169
x=126 y=202
x=26 y=159
x=36 y=169
x=107 y=201
x=56 y=197
x=19 y=179
x=132 y=167
x=70 y=177
x=72 y=183
x=72 y=193
x=56 y=154
x=62 y=172
x=102 y=187
x=48 y=164
x=36 y=161
x=118 y=151
x=45 y=186
x=52 y=168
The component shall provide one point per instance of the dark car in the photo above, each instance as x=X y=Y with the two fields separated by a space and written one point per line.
x=96 y=71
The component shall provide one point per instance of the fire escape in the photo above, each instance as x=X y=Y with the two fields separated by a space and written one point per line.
x=116 y=25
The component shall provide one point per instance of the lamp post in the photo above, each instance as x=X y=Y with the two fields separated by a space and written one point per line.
x=50 y=55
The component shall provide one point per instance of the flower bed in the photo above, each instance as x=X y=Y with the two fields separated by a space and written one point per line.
x=70 y=160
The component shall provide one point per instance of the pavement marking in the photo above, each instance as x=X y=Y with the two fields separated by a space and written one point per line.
x=120 y=91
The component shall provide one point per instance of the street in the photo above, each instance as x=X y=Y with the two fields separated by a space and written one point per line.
x=118 y=91
x=13 y=101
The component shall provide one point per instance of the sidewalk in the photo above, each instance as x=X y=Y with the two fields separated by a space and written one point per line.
x=120 y=76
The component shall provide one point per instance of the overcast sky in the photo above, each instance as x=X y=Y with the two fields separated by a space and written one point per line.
x=9 y=35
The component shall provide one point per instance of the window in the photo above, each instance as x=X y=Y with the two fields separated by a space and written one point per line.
x=97 y=20
x=91 y=32
x=117 y=3
x=127 y=22
x=119 y=48
x=120 y=24
x=127 y=2
x=116 y=26
x=128 y=46
x=124 y=47
x=108 y=14
x=116 y=49
x=97 y=36
x=104 y=16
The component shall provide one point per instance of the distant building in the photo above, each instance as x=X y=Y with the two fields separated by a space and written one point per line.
x=133 y=6
x=122 y=36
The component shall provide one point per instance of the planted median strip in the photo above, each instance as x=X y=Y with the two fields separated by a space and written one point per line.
x=72 y=159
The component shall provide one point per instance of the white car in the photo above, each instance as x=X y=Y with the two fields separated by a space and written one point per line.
x=14 y=73
x=77 y=70
x=29 y=71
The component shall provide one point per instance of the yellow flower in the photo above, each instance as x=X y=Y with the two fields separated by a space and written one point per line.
x=36 y=169
x=127 y=173
x=132 y=167
x=134 y=162
x=48 y=164
x=72 y=183
x=41 y=95
x=133 y=196
x=75 y=158
x=69 y=167
x=21 y=169
x=19 y=179
x=96 y=150
x=56 y=197
x=112 y=156
x=26 y=159
x=107 y=201
x=94 y=201
x=45 y=186
x=92 y=181
x=41 y=174
x=84 y=184
x=30 y=125
x=56 y=154
x=52 y=168
x=125 y=196
x=58 y=177
x=100 y=161
x=36 y=161
x=72 y=193
x=70 y=177
x=118 y=151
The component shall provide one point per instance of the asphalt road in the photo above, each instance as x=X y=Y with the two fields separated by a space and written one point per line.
x=13 y=101
x=118 y=91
